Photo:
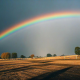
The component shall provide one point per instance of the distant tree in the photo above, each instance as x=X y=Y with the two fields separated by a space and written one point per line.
x=62 y=55
x=77 y=50
x=5 y=55
x=49 y=55
x=37 y=56
x=14 y=55
x=2 y=56
x=29 y=57
x=22 y=56
x=32 y=56
x=54 y=55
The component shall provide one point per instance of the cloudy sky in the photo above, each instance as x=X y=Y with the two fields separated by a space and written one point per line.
x=59 y=36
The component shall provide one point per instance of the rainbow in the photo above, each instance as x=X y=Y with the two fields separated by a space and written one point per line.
x=37 y=19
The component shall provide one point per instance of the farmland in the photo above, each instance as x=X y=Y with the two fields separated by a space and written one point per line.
x=48 y=68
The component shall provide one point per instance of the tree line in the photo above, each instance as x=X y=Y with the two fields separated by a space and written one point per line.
x=7 y=55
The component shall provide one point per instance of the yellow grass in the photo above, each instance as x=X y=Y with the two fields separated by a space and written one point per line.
x=28 y=68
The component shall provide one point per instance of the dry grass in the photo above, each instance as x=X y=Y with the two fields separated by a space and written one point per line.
x=40 y=69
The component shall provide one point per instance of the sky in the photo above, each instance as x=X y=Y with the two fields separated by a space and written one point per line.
x=59 y=36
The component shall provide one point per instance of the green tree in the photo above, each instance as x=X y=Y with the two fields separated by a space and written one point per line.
x=22 y=56
x=77 y=50
x=54 y=55
x=49 y=55
x=14 y=55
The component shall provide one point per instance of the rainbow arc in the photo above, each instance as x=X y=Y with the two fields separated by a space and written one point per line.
x=37 y=19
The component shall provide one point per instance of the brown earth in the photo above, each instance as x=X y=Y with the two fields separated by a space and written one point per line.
x=40 y=69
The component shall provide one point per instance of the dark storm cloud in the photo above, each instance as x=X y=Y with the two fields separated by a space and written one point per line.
x=15 y=11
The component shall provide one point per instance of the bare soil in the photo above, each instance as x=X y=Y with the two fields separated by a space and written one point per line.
x=40 y=69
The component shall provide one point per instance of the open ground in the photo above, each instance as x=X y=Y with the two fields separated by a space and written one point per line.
x=40 y=69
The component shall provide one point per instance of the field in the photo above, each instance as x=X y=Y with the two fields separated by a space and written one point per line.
x=40 y=69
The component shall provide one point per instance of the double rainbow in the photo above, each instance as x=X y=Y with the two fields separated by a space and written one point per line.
x=37 y=19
